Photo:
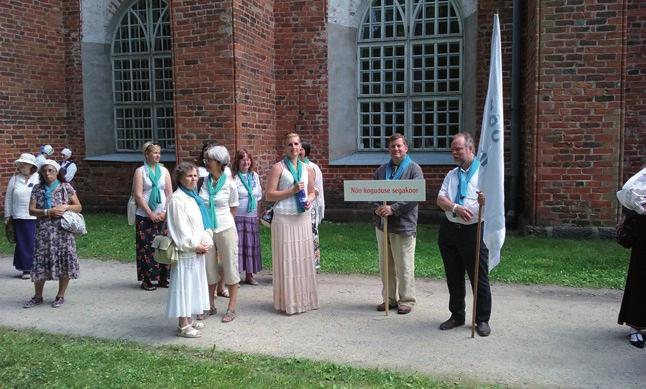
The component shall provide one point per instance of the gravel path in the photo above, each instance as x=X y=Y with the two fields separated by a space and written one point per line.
x=541 y=336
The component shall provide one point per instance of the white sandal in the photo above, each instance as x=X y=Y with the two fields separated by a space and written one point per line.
x=198 y=325
x=188 y=332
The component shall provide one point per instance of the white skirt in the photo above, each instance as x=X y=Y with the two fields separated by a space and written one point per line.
x=189 y=292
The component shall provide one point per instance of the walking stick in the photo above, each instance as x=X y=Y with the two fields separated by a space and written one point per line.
x=386 y=257
x=475 y=273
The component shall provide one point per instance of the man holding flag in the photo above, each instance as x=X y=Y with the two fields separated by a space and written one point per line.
x=460 y=195
x=460 y=199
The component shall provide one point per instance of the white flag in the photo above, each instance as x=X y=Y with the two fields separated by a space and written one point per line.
x=491 y=179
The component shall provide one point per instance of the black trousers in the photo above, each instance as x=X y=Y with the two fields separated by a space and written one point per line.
x=457 y=244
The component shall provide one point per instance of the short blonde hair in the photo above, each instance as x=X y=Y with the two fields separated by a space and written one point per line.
x=292 y=135
x=149 y=147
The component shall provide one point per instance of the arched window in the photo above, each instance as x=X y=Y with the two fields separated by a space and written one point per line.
x=142 y=77
x=409 y=74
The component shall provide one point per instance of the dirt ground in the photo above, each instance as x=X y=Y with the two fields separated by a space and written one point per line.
x=542 y=336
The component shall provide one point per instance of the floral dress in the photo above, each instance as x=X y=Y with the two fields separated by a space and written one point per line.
x=55 y=252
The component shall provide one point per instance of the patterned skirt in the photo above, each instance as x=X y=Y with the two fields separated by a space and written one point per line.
x=249 y=259
x=147 y=268
x=54 y=253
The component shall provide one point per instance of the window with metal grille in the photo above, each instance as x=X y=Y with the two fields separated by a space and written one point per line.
x=409 y=74
x=142 y=77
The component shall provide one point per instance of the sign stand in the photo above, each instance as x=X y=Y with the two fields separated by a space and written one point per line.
x=386 y=257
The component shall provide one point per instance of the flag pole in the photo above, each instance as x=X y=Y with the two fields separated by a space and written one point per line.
x=386 y=258
x=475 y=272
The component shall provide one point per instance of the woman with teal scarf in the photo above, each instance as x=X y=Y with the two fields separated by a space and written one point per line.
x=151 y=187
x=294 y=277
x=189 y=223
x=220 y=195
x=55 y=250
x=249 y=193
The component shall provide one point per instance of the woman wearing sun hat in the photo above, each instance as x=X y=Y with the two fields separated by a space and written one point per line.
x=16 y=211
x=68 y=166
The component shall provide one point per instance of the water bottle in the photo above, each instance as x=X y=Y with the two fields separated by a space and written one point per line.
x=302 y=198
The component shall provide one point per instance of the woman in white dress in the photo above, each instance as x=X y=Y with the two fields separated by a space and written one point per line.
x=188 y=223
x=292 y=254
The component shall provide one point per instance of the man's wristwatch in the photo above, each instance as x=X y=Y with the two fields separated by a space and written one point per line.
x=453 y=209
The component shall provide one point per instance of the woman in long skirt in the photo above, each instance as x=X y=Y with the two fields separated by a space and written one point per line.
x=294 y=277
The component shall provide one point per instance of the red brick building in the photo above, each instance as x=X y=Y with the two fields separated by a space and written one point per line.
x=101 y=77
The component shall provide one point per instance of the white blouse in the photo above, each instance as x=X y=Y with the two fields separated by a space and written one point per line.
x=288 y=206
x=185 y=224
x=148 y=186
x=226 y=198
x=16 y=200
x=243 y=195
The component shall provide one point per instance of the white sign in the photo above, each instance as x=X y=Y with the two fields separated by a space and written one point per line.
x=384 y=190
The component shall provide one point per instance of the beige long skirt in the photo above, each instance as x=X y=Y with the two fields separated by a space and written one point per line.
x=294 y=277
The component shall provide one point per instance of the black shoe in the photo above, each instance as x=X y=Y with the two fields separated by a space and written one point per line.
x=382 y=307
x=637 y=340
x=451 y=323
x=483 y=329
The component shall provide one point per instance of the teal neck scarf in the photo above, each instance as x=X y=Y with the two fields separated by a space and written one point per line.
x=463 y=181
x=297 y=175
x=155 y=194
x=213 y=191
x=49 y=191
x=247 y=181
x=396 y=173
x=206 y=218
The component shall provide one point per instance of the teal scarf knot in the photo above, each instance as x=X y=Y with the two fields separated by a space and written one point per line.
x=463 y=181
x=213 y=191
x=49 y=191
x=297 y=175
x=248 y=183
x=206 y=218
x=396 y=173
x=155 y=194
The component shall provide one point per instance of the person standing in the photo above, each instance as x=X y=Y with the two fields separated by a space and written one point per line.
x=249 y=195
x=402 y=230
x=16 y=211
x=68 y=166
x=220 y=194
x=292 y=257
x=318 y=206
x=189 y=223
x=633 y=304
x=45 y=152
x=151 y=186
x=55 y=255
x=459 y=199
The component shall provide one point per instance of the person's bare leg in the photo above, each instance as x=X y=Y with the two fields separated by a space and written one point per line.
x=63 y=282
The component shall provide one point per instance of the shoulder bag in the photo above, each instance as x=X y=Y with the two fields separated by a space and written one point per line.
x=72 y=221
x=165 y=250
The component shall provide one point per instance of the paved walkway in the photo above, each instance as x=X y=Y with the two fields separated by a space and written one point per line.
x=542 y=336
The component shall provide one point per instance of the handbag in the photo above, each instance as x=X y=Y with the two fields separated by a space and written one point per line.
x=9 y=231
x=73 y=222
x=165 y=249
x=627 y=229
x=131 y=210
x=267 y=216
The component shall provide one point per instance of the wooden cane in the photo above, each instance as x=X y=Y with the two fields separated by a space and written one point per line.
x=475 y=273
x=386 y=258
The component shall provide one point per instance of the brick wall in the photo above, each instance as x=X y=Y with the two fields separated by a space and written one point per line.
x=579 y=113
x=635 y=85
x=37 y=105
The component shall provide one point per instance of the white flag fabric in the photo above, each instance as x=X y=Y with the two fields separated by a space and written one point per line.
x=490 y=153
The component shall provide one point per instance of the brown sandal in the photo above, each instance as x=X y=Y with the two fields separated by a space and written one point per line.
x=229 y=316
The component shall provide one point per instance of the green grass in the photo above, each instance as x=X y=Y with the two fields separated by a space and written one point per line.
x=351 y=248
x=35 y=359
